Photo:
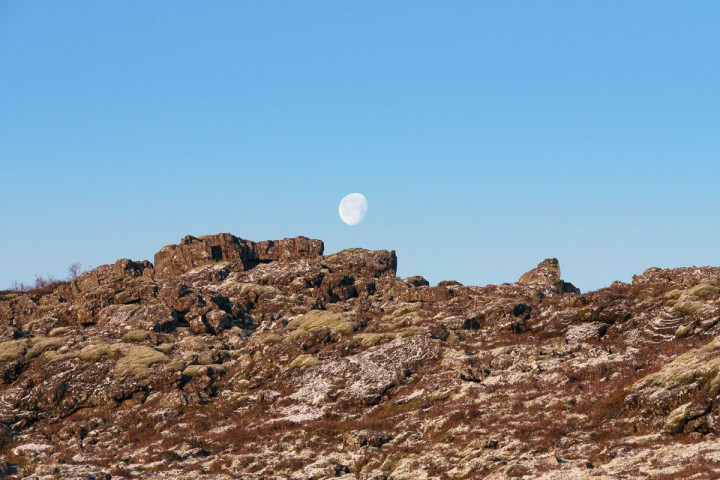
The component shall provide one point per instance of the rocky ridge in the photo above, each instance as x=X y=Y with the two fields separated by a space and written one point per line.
x=227 y=358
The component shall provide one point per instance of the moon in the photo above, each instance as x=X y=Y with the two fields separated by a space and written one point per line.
x=353 y=208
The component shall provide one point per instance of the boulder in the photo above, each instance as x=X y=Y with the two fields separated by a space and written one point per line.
x=217 y=320
x=154 y=317
x=586 y=331
x=678 y=418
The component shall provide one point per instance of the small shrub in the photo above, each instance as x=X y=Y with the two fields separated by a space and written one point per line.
x=43 y=285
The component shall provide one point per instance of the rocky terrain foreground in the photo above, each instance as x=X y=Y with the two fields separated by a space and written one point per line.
x=226 y=358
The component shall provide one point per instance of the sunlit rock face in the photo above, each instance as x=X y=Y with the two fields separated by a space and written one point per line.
x=228 y=358
x=548 y=273
x=193 y=252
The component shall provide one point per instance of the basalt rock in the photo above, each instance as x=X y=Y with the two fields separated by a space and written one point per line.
x=229 y=358
x=192 y=252
x=548 y=273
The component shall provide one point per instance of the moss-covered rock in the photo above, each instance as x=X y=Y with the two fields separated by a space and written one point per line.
x=696 y=366
x=41 y=344
x=315 y=320
x=13 y=349
x=137 y=360
x=136 y=336
x=371 y=339
x=304 y=361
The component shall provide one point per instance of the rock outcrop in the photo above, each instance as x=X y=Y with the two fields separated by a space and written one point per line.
x=193 y=252
x=228 y=358
x=548 y=273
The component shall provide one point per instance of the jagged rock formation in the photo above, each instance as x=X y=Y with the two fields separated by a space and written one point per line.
x=548 y=273
x=174 y=260
x=227 y=358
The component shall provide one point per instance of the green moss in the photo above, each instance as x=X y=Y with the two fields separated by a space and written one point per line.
x=409 y=331
x=688 y=308
x=371 y=339
x=40 y=344
x=195 y=370
x=13 y=349
x=205 y=358
x=96 y=350
x=56 y=332
x=193 y=344
x=272 y=339
x=137 y=336
x=682 y=331
x=673 y=294
x=677 y=419
x=90 y=353
x=176 y=365
x=699 y=366
x=320 y=319
x=259 y=290
x=702 y=291
x=137 y=360
x=453 y=338
x=438 y=396
x=304 y=361
x=412 y=307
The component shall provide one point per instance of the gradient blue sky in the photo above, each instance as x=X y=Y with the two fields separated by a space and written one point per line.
x=486 y=135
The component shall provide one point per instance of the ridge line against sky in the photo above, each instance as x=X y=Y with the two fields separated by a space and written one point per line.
x=486 y=136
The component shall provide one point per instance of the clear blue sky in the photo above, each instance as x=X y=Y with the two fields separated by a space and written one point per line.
x=485 y=135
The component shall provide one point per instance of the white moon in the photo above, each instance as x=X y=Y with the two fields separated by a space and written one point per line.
x=353 y=208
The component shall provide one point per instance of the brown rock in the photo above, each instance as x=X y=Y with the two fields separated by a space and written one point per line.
x=154 y=317
x=197 y=323
x=289 y=351
x=174 y=260
x=217 y=320
x=586 y=331
x=288 y=249
x=546 y=273
x=416 y=281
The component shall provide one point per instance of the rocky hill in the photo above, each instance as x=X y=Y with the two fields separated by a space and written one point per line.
x=226 y=358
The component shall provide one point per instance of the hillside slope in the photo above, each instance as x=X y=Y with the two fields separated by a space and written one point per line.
x=226 y=358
